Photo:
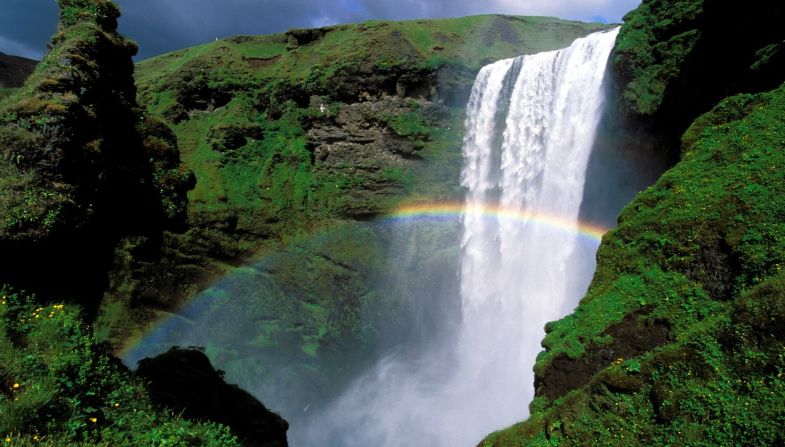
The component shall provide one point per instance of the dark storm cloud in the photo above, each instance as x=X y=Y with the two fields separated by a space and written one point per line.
x=25 y=26
x=166 y=25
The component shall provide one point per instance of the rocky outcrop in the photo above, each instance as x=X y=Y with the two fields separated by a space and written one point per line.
x=364 y=140
x=14 y=70
x=183 y=380
x=82 y=166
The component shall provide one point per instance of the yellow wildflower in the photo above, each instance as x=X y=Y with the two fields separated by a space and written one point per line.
x=7 y=439
x=16 y=386
x=93 y=420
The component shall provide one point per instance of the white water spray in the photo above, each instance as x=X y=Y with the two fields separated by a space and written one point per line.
x=530 y=128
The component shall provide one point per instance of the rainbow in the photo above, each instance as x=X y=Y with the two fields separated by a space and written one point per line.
x=435 y=211
x=457 y=210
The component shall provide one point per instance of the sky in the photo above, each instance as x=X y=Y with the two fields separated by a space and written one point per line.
x=160 y=26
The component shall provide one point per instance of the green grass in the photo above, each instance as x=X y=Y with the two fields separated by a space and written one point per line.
x=61 y=388
x=6 y=92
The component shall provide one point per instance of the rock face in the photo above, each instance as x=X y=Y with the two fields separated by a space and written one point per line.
x=82 y=166
x=364 y=139
x=14 y=70
x=184 y=381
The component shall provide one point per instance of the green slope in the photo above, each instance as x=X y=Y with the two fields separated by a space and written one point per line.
x=679 y=340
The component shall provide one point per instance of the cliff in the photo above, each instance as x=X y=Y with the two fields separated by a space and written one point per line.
x=677 y=339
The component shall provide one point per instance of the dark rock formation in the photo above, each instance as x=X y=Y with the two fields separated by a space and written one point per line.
x=82 y=166
x=183 y=380
x=14 y=70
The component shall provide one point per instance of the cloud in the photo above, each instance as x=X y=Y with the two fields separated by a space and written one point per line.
x=26 y=26
x=167 y=25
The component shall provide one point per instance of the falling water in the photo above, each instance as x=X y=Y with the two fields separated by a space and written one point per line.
x=530 y=128
x=515 y=278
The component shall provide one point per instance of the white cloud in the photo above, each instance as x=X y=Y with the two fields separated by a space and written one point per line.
x=613 y=10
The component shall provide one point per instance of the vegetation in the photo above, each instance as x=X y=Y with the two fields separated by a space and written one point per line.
x=678 y=341
x=62 y=388
x=6 y=92
x=699 y=254
x=82 y=166
x=676 y=59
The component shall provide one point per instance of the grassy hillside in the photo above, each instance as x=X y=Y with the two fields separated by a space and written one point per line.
x=679 y=339
x=243 y=106
x=60 y=387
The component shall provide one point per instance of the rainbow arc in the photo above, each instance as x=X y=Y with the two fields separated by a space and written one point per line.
x=457 y=210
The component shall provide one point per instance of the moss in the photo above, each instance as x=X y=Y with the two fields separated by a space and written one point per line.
x=60 y=387
x=103 y=12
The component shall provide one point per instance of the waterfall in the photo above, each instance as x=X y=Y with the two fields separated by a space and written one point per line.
x=530 y=128
x=515 y=277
